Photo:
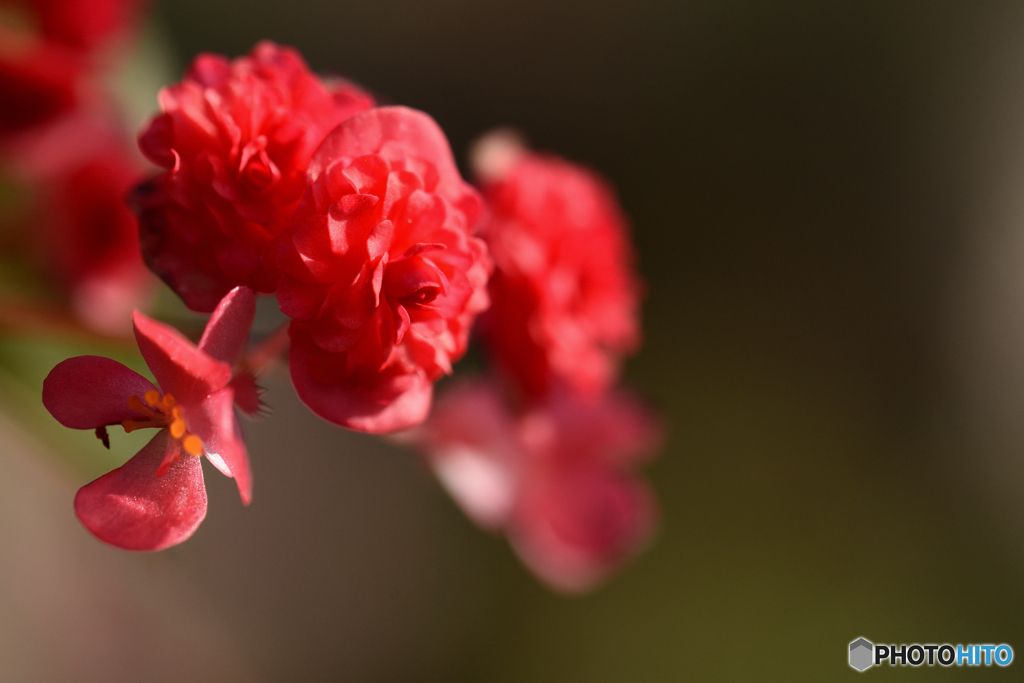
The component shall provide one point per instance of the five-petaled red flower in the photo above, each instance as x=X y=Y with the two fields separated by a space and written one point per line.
x=381 y=272
x=564 y=297
x=557 y=479
x=158 y=498
x=236 y=138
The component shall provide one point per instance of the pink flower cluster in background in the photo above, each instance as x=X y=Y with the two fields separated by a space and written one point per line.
x=558 y=478
x=275 y=181
x=565 y=296
x=545 y=449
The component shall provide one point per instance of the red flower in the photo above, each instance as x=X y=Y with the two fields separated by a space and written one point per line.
x=556 y=479
x=158 y=498
x=236 y=138
x=381 y=273
x=46 y=51
x=86 y=238
x=94 y=244
x=564 y=296
x=37 y=83
x=85 y=24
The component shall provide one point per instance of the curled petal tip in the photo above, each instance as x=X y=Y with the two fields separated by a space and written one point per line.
x=228 y=328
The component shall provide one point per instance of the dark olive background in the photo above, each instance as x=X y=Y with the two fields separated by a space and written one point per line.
x=824 y=201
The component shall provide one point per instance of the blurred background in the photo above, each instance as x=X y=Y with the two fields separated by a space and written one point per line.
x=827 y=200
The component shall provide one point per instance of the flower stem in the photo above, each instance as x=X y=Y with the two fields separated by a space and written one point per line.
x=266 y=352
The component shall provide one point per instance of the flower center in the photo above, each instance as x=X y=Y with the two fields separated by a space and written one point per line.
x=255 y=165
x=163 y=411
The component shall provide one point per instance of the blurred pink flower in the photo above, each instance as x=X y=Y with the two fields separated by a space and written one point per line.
x=558 y=479
x=84 y=239
x=382 y=275
x=158 y=498
x=89 y=239
x=236 y=138
x=564 y=295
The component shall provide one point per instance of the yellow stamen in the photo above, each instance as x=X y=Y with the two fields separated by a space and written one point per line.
x=163 y=411
x=135 y=404
x=193 y=445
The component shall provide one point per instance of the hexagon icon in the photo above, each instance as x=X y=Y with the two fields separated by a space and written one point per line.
x=861 y=654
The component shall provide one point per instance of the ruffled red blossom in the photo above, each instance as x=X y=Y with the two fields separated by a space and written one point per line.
x=236 y=138
x=564 y=295
x=381 y=274
x=47 y=52
x=158 y=498
x=558 y=479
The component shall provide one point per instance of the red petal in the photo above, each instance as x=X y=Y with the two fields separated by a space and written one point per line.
x=394 y=403
x=402 y=322
x=156 y=140
x=300 y=300
x=616 y=427
x=473 y=448
x=423 y=216
x=228 y=328
x=351 y=219
x=214 y=421
x=348 y=310
x=420 y=248
x=133 y=509
x=372 y=348
x=411 y=275
x=579 y=525
x=367 y=175
x=87 y=392
x=395 y=133
x=379 y=240
x=180 y=368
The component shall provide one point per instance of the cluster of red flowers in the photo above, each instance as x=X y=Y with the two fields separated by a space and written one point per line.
x=275 y=181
